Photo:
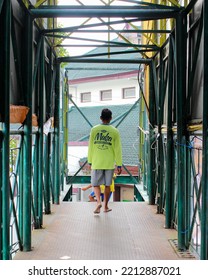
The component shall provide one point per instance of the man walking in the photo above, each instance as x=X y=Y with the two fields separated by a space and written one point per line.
x=104 y=152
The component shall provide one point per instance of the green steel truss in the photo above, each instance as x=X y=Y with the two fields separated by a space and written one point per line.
x=173 y=139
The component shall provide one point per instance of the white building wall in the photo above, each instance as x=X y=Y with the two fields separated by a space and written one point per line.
x=75 y=153
x=116 y=85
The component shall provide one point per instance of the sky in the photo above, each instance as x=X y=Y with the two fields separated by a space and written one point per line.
x=73 y=51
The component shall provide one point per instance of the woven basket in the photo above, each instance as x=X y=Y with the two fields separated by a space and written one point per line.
x=18 y=113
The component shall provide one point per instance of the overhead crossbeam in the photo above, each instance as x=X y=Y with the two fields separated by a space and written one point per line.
x=84 y=26
x=102 y=60
x=143 y=13
x=114 y=31
x=146 y=47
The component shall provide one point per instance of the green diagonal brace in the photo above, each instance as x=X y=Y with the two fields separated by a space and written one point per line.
x=80 y=111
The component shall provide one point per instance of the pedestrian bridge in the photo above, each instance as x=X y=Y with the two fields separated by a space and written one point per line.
x=171 y=139
x=131 y=231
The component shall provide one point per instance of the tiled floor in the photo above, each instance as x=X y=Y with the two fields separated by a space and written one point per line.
x=131 y=231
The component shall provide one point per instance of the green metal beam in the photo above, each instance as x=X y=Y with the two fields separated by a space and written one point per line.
x=20 y=206
x=204 y=220
x=111 y=53
x=47 y=174
x=137 y=194
x=57 y=136
x=126 y=44
x=91 y=40
x=120 y=31
x=74 y=28
x=65 y=106
x=13 y=189
x=145 y=47
x=5 y=81
x=41 y=100
x=103 y=12
x=151 y=186
x=169 y=155
x=35 y=151
x=194 y=63
x=1 y=5
x=159 y=138
x=80 y=111
x=151 y=5
x=17 y=59
x=103 y=60
x=121 y=179
x=37 y=61
x=27 y=144
x=181 y=129
x=1 y=168
x=136 y=181
x=190 y=6
x=128 y=112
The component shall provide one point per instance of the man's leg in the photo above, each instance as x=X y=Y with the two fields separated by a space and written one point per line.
x=106 y=199
x=97 y=195
x=108 y=182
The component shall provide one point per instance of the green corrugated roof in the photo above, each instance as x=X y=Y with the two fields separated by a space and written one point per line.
x=79 y=128
x=86 y=70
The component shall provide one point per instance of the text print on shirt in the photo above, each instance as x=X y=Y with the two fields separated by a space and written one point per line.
x=103 y=140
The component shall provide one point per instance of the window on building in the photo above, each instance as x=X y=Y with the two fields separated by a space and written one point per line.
x=86 y=97
x=106 y=95
x=129 y=92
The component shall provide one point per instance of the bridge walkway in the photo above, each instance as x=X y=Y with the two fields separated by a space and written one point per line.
x=131 y=231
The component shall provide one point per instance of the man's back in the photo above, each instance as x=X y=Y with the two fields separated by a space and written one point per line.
x=104 y=147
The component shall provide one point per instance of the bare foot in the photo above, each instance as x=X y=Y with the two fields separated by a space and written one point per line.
x=97 y=210
x=107 y=210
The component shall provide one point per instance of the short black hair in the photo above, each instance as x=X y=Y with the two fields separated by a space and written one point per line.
x=106 y=114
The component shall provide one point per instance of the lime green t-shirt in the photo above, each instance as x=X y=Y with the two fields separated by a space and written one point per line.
x=104 y=149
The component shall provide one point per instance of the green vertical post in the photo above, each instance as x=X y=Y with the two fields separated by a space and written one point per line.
x=151 y=167
x=47 y=143
x=53 y=159
x=181 y=128
x=27 y=146
x=35 y=178
x=204 y=215
x=1 y=169
x=169 y=155
x=57 y=136
x=40 y=132
x=20 y=212
x=5 y=32
x=160 y=140
x=47 y=174
x=65 y=125
x=141 y=141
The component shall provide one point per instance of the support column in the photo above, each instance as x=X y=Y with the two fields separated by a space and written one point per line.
x=65 y=107
x=40 y=132
x=151 y=168
x=169 y=156
x=27 y=145
x=57 y=136
x=47 y=142
x=204 y=180
x=160 y=140
x=5 y=32
x=181 y=128
x=47 y=160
